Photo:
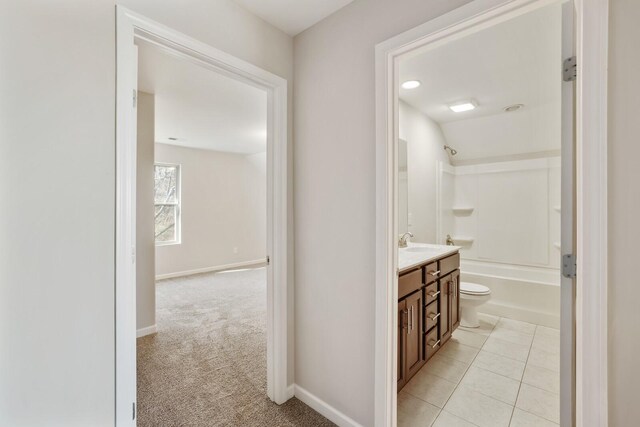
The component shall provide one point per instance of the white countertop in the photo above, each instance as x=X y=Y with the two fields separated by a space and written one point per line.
x=410 y=257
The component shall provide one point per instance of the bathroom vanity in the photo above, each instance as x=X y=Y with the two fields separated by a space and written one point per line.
x=428 y=304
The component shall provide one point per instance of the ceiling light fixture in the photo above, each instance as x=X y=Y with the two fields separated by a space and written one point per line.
x=461 y=107
x=514 y=107
x=411 y=84
x=172 y=138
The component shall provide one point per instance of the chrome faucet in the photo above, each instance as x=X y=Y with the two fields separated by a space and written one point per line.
x=402 y=243
x=450 y=240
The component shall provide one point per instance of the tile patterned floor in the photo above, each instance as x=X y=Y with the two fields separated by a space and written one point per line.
x=504 y=373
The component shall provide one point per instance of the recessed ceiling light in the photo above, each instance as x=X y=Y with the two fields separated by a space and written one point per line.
x=172 y=138
x=411 y=84
x=461 y=107
x=514 y=107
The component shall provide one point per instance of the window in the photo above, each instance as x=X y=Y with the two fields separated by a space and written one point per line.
x=167 y=204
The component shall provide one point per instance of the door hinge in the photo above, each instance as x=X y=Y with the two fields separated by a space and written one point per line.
x=134 y=410
x=569 y=266
x=268 y=260
x=569 y=69
x=135 y=98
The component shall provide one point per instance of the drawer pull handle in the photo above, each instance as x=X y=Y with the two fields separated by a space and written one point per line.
x=433 y=273
x=433 y=316
x=434 y=345
x=433 y=294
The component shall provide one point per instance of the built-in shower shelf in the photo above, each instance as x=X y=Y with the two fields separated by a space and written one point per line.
x=462 y=210
x=462 y=240
x=557 y=208
x=557 y=245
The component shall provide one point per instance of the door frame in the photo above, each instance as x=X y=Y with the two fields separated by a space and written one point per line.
x=131 y=26
x=591 y=38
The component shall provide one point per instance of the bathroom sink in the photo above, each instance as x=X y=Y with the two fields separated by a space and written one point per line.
x=423 y=249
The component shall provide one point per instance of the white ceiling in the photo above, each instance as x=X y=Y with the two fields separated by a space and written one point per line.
x=515 y=62
x=293 y=16
x=200 y=107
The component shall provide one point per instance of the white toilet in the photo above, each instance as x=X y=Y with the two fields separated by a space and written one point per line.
x=472 y=295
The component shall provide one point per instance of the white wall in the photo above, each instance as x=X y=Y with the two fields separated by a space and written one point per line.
x=145 y=240
x=57 y=186
x=57 y=213
x=624 y=205
x=334 y=104
x=223 y=209
x=425 y=143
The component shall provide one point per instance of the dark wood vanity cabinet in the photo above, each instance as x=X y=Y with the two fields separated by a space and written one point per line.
x=428 y=312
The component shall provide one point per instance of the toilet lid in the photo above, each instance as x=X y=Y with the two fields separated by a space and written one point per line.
x=474 y=289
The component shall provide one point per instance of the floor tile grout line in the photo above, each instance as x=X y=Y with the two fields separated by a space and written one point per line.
x=535 y=386
x=539 y=388
x=465 y=373
x=522 y=378
x=538 y=416
x=506 y=357
x=453 y=415
x=495 y=373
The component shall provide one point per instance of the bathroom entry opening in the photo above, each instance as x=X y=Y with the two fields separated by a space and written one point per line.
x=482 y=163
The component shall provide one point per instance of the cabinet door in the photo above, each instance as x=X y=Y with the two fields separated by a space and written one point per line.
x=402 y=326
x=454 y=285
x=445 y=312
x=414 y=356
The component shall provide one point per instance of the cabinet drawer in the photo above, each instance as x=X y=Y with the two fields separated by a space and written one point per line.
x=431 y=343
x=449 y=264
x=431 y=293
x=431 y=315
x=408 y=283
x=431 y=273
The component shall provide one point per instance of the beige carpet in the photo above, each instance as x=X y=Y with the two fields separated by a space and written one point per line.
x=206 y=366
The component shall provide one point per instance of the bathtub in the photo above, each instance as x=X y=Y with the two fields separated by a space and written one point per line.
x=529 y=294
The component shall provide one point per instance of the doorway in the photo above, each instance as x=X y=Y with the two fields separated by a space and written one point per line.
x=201 y=244
x=391 y=321
x=132 y=28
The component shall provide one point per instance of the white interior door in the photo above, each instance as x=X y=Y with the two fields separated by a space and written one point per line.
x=568 y=288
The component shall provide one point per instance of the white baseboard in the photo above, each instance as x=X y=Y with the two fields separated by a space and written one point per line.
x=253 y=263
x=323 y=408
x=146 y=331
x=291 y=391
